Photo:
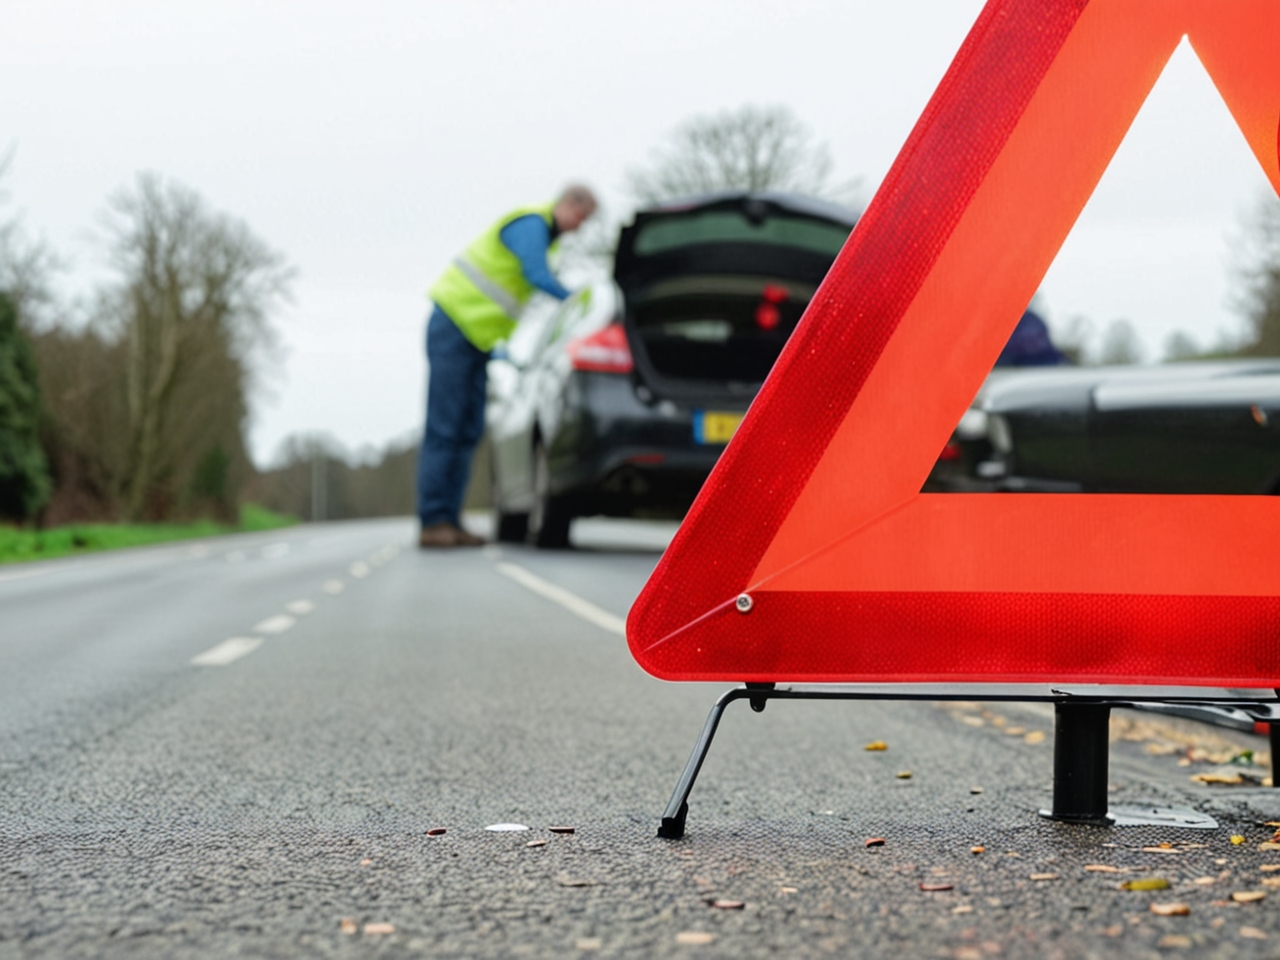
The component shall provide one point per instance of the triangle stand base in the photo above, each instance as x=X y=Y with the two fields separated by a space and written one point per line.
x=1080 y=756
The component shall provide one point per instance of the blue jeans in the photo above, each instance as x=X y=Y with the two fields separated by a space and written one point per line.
x=455 y=420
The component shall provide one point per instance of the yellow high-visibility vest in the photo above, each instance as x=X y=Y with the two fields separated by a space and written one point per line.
x=484 y=290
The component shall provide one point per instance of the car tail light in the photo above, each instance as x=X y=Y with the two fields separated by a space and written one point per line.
x=605 y=351
x=951 y=451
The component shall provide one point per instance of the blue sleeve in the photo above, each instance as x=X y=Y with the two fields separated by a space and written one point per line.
x=528 y=238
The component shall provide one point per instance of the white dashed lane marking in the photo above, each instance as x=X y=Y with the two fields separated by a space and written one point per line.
x=359 y=569
x=277 y=624
x=274 y=551
x=227 y=651
x=570 y=601
x=333 y=587
x=300 y=607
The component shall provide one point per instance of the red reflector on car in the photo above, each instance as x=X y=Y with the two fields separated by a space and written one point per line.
x=951 y=451
x=605 y=351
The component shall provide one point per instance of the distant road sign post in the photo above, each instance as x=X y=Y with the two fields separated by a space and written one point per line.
x=811 y=555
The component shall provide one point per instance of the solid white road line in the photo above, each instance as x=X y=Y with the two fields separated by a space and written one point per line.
x=277 y=624
x=24 y=574
x=570 y=601
x=227 y=651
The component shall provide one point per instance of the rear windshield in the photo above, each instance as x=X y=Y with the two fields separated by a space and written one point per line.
x=720 y=226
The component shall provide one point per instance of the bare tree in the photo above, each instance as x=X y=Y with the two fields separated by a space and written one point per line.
x=195 y=289
x=26 y=265
x=751 y=148
x=1259 y=276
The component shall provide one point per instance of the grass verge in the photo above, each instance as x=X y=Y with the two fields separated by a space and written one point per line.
x=17 y=544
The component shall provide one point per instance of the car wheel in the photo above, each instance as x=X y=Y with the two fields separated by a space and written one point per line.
x=549 y=519
x=507 y=527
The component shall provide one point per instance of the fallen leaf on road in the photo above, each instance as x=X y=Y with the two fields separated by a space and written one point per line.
x=1170 y=909
x=561 y=829
x=973 y=721
x=1269 y=867
x=904 y=774
x=1269 y=845
x=1160 y=849
x=975 y=789
x=1043 y=876
x=876 y=745
x=1035 y=736
x=1146 y=883
x=1271 y=881
x=1101 y=868
x=365 y=862
x=874 y=842
x=1112 y=931
x=788 y=890
x=1253 y=933
x=347 y=925
x=378 y=929
x=1015 y=731
x=1174 y=941
x=977 y=849
x=963 y=908
x=1218 y=776
x=935 y=887
x=1248 y=896
x=436 y=832
x=536 y=843
x=1205 y=881
x=566 y=881
x=694 y=938
x=726 y=904
x=1236 y=840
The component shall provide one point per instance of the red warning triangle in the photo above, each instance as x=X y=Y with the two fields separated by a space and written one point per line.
x=814 y=509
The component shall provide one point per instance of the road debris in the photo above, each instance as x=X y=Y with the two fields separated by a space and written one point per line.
x=436 y=832
x=1035 y=736
x=1101 y=868
x=562 y=829
x=1043 y=876
x=378 y=929
x=506 y=827
x=1174 y=941
x=978 y=849
x=1236 y=840
x=536 y=843
x=1248 y=896
x=567 y=881
x=904 y=774
x=1205 y=881
x=1269 y=867
x=975 y=790
x=1163 y=848
x=874 y=842
x=1146 y=883
x=1269 y=845
x=365 y=862
x=348 y=926
x=876 y=745
x=1253 y=933
x=1170 y=909
x=726 y=904
x=587 y=944
x=936 y=887
x=694 y=938
x=963 y=908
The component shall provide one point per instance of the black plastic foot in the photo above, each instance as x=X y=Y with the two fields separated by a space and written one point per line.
x=1080 y=746
x=672 y=828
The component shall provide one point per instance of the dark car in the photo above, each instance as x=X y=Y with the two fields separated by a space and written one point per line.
x=620 y=401
x=1201 y=427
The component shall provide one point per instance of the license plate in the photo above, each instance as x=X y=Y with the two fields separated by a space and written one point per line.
x=712 y=427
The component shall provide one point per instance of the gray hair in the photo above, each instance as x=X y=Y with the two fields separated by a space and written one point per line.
x=578 y=195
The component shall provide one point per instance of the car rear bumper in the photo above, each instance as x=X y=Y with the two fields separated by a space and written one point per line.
x=615 y=455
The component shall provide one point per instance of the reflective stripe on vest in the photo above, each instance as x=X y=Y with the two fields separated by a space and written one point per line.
x=509 y=304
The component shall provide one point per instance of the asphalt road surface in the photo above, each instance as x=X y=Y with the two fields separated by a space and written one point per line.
x=248 y=745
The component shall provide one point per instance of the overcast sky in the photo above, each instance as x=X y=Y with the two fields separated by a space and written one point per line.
x=367 y=141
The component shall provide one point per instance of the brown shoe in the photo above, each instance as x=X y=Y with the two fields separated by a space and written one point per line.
x=465 y=538
x=438 y=535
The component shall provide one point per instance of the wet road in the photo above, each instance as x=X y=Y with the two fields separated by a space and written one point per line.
x=237 y=745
